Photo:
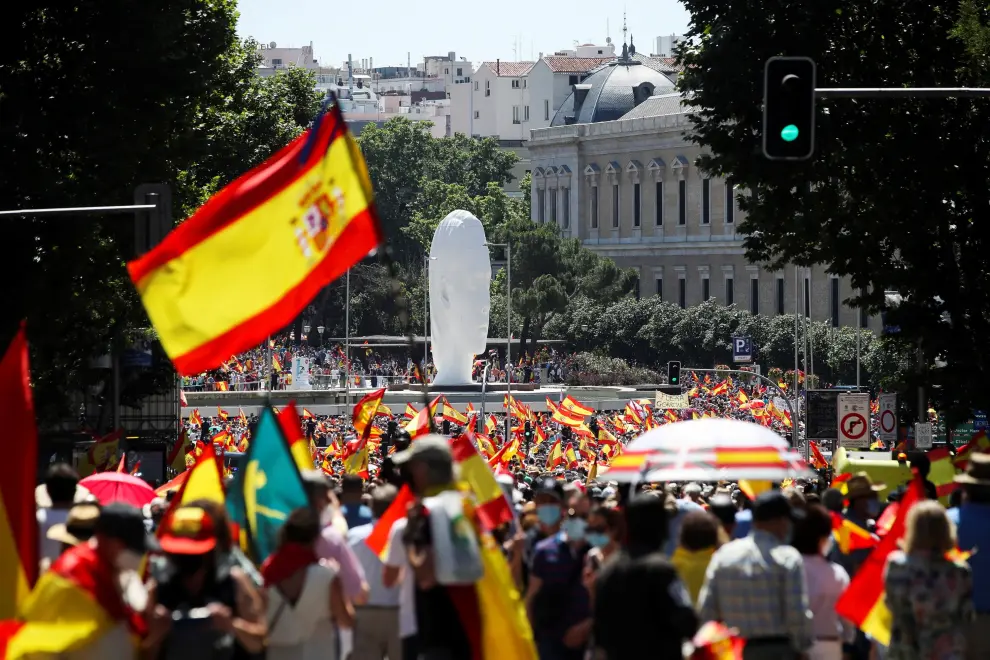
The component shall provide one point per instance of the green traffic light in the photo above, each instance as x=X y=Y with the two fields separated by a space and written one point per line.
x=789 y=133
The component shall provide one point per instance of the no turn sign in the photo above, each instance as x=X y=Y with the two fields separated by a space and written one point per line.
x=854 y=421
x=887 y=405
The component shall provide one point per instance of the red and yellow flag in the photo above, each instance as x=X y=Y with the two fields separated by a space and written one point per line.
x=308 y=209
x=571 y=404
x=377 y=540
x=493 y=508
x=18 y=521
x=74 y=603
x=863 y=601
x=365 y=411
x=849 y=536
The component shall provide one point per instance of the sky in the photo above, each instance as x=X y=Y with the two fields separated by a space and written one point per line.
x=388 y=29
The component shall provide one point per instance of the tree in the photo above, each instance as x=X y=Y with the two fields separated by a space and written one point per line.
x=870 y=205
x=92 y=111
x=412 y=172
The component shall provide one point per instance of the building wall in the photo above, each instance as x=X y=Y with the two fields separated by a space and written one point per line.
x=571 y=163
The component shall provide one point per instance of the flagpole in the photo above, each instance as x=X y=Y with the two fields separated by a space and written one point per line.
x=347 y=340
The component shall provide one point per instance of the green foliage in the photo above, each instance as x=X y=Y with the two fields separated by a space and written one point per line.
x=418 y=179
x=895 y=197
x=90 y=111
x=652 y=332
x=591 y=369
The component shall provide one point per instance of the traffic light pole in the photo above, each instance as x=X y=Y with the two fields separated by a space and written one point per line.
x=790 y=406
x=900 y=92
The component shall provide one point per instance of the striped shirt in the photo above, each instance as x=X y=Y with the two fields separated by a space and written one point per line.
x=757 y=585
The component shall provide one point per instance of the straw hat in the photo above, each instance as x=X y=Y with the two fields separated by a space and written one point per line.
x=860 y=485
x=79 y=526
x=977 y=471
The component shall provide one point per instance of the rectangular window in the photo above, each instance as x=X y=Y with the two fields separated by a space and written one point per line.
x=615 y=205
x=515 y=84
x=546 y=110
x=565 y=201
x=572 y=80
x=660 y=288
x=276 y=63
x=834 y=301
x=446 y=72
x=706 y=289
x=515 y=114
x=658 y=211
x=636 y=209
x=754 y=296
x=682 y=202
x=526 y=113
x=541 y=196
x=807 y=297
x=594 y=207
x=730 y=201
x=553 y=205
x=476 y=85
x=730 y=294
x=488 y=88
x=706 y=201
x=460 y=71
x=780 y=295
x=682 y=293
x=477 y=114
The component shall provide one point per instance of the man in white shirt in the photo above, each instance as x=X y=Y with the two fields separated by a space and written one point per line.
x=376 y=629
x=398 y=572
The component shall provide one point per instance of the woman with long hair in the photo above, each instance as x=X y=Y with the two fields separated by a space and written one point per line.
x=929 y=594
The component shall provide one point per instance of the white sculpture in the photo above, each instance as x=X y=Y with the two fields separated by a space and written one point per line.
x=460 y=296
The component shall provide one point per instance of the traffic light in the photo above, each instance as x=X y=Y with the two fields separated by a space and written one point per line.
x=789 y=108
x=674 y=373
x=528 y=435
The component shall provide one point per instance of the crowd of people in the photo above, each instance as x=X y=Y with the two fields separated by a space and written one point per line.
x=330 y=364
x=604 y=570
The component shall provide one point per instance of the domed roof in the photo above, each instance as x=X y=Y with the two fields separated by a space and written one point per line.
x=610 y=92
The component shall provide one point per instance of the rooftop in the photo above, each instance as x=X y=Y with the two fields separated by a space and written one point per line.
x=509 y=69
x=575 y=64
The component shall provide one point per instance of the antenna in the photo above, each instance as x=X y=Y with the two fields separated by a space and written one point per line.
x=623 y=26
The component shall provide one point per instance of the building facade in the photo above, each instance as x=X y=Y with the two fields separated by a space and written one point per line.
x=629 y=190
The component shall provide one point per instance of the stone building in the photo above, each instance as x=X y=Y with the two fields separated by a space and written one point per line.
x=615 y=169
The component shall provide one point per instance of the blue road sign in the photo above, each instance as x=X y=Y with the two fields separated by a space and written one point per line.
x=742 y=349
x=979 y=420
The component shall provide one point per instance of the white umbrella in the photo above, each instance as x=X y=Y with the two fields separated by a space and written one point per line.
x=709 y=450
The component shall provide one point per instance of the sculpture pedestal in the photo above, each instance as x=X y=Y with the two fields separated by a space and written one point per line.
x=468 y=387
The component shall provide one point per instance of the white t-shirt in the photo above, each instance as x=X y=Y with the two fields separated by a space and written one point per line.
x=397 y=558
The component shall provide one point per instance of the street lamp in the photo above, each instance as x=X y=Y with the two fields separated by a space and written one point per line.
x=508 y=326
x=426 y=312
x=320 y=330
x=306 y=329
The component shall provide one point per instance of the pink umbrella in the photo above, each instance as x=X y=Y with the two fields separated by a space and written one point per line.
x=118 y=487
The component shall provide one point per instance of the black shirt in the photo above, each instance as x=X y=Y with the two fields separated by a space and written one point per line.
x=439 y=609
x=642 y=593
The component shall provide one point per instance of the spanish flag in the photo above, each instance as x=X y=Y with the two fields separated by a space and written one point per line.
x=18 y=523
x=863 y=601
x=378 y=538
x=74 y=604
x=849 y=536
x=288 y=421
x=307 y=210
x=365 y=411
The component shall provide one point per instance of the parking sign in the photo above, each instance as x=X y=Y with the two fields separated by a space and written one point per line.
x=742 y=349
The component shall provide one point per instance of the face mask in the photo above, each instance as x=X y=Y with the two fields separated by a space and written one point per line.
x=128 y=560
x=596 y=539
x=549 y=514
x=873 y=508
x=574 y=528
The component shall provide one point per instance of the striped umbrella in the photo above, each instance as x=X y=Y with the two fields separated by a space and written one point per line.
x=708 y=450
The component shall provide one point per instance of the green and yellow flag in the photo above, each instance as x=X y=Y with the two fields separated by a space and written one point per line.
x=267 y=488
